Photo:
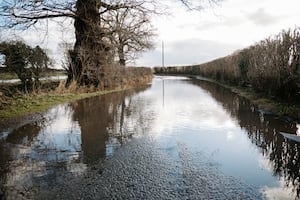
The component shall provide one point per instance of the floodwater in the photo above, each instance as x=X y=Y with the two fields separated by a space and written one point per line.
x=178 y=138
x=53 y=78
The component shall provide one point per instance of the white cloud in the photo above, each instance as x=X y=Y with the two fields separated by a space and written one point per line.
x=262 y=18
x=281 y=192
x=189 y=51
x=232 y=25
x=230 y=135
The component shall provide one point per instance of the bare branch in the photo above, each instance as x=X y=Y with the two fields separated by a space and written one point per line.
x=199 y=5
x=26 y=13
x=104 y=29
x=130 y=32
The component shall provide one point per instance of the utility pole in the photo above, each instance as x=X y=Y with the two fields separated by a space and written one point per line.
x=163 y=54
x=163 y=65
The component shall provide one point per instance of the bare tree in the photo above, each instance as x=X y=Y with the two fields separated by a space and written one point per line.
x=132 y=33
x=92 y=52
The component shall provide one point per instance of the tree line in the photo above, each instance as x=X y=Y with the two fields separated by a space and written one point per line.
x=271 y=66
x=26 y=62
x=29 y=64
x=108 y=33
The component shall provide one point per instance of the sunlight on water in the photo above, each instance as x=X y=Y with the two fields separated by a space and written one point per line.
x=207 y=127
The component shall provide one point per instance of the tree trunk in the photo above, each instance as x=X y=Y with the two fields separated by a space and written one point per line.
x=90 y=56
x=121 y=54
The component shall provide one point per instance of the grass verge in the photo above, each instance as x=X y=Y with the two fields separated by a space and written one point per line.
x=281 y=109
x=29 y=104
x=8 y=76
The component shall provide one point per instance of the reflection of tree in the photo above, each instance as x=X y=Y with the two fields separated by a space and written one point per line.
x=40 y=154
x=263 y=130
x=35 y=155
x=102 y=119
x=4 y=166
x=25 y=134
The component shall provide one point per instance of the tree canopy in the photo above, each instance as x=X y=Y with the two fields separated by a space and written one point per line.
x=25 y=61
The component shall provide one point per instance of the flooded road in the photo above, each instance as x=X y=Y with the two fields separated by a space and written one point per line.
x=178 y=138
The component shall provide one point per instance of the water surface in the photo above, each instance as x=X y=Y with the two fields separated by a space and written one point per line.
x=176 y=139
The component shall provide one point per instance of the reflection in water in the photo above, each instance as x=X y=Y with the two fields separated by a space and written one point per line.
x=107 y=125
x=66 y=141
x=263 y=131
x=39 y=152
x=238 y=138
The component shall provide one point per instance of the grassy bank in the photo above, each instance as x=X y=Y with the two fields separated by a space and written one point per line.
x=8 y=76
x=282 y=109
x=29 y=104
x=17 y=100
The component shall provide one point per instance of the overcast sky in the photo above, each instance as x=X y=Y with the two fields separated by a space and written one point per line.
x=195 y=37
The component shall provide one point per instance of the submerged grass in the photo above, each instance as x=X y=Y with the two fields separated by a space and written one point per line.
x=29 y=104
x=282 y=109
x=8 y=76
